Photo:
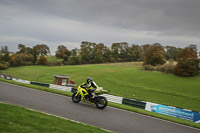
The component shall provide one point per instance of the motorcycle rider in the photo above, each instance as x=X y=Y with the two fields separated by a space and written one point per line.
x=90 y=86
x=85 y=91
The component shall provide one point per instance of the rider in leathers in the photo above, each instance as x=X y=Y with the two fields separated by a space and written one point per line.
x=92 y=86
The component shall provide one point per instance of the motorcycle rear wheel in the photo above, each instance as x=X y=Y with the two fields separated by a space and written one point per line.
x=76 y=99
x=102 y=102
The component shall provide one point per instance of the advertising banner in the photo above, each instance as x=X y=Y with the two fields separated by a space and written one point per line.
x=173 y=111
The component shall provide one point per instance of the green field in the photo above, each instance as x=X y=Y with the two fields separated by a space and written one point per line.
x=123 y=79
x=20 y=120
x=53 y=58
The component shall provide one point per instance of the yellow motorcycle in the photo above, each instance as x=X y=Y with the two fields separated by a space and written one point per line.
x=83 y=94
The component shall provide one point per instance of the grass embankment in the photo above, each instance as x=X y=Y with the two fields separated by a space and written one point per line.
x=20 y=120
x=123 y=79
x=124 y=107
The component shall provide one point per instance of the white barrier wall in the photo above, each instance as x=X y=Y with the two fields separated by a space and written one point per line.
x=114 y=99
x=59 y=87
x=21 y=81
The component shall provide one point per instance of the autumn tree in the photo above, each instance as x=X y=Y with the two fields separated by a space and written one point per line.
x=115 y=49
x=20 y=59
x=63 y=52
x=188 y=63
x=87 y=52
x=137 y=53
x=42 y=60
x=119 y=51
x=107 y=55
x=101 y=53
x=4 y=49
x=22 y=48
x=171 y=52
x=144 y=49
x=84 y=52
x=75 y=57
x=5 y=57
x=154 y=55
x=124 y=47
x=98 y=53
x=29 y=50
x=40 y=50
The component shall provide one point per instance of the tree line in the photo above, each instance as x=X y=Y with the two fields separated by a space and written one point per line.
x=92 y=53
x=186 y=59
x=24 y=55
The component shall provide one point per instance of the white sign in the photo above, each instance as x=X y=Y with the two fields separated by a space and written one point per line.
x=64 y=81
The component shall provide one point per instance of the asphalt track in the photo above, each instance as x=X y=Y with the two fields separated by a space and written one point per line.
x=112 y=119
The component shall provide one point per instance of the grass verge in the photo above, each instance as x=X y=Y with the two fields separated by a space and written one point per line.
x=124 y=107
x=21 y=120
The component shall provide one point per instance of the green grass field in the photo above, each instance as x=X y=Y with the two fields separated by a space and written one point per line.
x=123 y=79
x=53 y=58
x=20 y=120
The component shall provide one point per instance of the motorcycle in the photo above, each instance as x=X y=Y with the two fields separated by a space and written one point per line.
x=82 y=94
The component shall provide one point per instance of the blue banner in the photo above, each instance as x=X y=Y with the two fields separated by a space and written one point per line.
x=176 y=112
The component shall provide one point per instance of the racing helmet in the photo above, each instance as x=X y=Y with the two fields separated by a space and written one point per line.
x=89 y=80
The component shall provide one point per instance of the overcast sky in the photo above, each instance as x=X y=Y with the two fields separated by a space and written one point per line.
x=69 y=22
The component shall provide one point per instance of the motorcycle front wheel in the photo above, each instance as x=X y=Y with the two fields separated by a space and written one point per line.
x=101 y=102
x=76 y=99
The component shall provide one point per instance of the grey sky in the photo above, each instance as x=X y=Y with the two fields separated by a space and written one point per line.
x=69 y=22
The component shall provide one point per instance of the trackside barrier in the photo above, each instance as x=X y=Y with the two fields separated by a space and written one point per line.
x=59 y=87
x=114 y=99
x=173 y=111
x=21 y=81
x=40 y=84
x=152 y=107
x=2 y=76
x=134 y=103
x=8 y=78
